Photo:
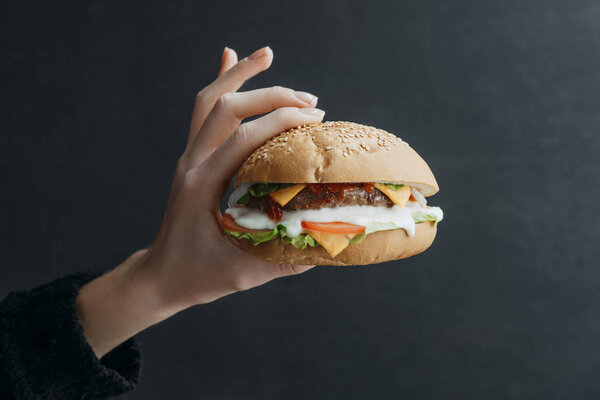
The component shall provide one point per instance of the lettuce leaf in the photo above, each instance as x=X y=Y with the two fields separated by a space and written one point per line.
x=299 y=242
x=420 y=216
x=358 y=238
x=262 y=189
x=244 y=199
x=392 y=186
x=380 y=226
x=255 y=238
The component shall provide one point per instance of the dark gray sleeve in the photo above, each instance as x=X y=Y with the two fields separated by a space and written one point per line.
x=43 y=353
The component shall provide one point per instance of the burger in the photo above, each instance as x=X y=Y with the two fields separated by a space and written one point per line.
x=333 y=193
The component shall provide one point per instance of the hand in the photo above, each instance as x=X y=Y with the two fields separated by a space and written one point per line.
x=191 y=260
x=195 y=261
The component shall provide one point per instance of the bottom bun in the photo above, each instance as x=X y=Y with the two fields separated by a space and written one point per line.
x=375 y=248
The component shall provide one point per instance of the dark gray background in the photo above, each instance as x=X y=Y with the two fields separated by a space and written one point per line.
x=500 y=97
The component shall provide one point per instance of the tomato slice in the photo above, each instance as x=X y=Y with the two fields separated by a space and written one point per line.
x=229 y=223
x=333 y=227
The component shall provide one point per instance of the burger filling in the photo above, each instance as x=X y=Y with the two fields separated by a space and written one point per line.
x=323 y=195
x=333 y=215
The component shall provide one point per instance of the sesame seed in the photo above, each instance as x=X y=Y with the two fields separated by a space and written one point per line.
x=328 y=147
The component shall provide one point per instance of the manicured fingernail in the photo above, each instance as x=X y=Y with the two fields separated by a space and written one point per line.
x=312 y=111
x=306 y=97
x=259 y=53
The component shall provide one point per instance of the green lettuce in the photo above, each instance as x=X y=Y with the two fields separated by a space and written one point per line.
x=392 y=186
x=379 y=226
x=299 y=242
x=262 y=189
x=358 y=238
x=420 y=216
x=255 y=238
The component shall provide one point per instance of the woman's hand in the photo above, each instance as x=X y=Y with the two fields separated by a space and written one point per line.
x=195 y=260
x=191 y=260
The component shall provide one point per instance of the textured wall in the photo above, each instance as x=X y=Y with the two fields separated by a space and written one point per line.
x=501 y=98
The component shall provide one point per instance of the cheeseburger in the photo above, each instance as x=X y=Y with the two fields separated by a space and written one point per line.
x=333 y=193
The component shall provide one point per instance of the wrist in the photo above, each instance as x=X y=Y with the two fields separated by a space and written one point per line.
x=144 y=279
x=120 y=304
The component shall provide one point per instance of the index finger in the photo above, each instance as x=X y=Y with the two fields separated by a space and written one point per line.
x=230 y=81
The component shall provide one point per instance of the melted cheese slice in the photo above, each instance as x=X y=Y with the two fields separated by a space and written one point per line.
x=333 y=243
x=283 y=196
x=399 y=197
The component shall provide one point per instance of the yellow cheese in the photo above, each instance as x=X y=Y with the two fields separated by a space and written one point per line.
x=400 y=197
x=334 y=243
x=283 y=196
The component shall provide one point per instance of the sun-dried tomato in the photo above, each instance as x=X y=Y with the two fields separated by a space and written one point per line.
x=274 y=210
x=369 y=187
x=314 y=188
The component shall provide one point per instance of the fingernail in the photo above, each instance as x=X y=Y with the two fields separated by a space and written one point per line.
x=312 y=111
x=306 y=97
x=259 y=53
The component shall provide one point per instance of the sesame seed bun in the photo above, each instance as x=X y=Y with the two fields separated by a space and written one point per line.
x=337 y=151
x=375 y=248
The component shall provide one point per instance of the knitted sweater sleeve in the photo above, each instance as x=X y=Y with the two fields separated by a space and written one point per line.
x=44 y=355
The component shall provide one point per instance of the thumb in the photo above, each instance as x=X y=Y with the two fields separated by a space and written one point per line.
x=293 y=269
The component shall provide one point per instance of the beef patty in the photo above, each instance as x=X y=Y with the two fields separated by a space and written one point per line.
x=324 y=195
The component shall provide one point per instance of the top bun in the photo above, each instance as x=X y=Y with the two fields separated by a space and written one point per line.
x=337 y=151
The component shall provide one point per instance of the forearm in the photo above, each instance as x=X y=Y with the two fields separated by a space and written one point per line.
x=120 y=304
x=191 y=260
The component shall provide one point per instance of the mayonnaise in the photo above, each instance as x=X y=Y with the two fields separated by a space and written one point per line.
x=358 y=215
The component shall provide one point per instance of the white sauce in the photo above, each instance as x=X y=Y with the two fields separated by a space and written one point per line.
x=358 y=215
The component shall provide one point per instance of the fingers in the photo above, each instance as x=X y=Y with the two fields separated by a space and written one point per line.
x=232 y=108
x=226 y=160
x=228 y=60
x=229 y=81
